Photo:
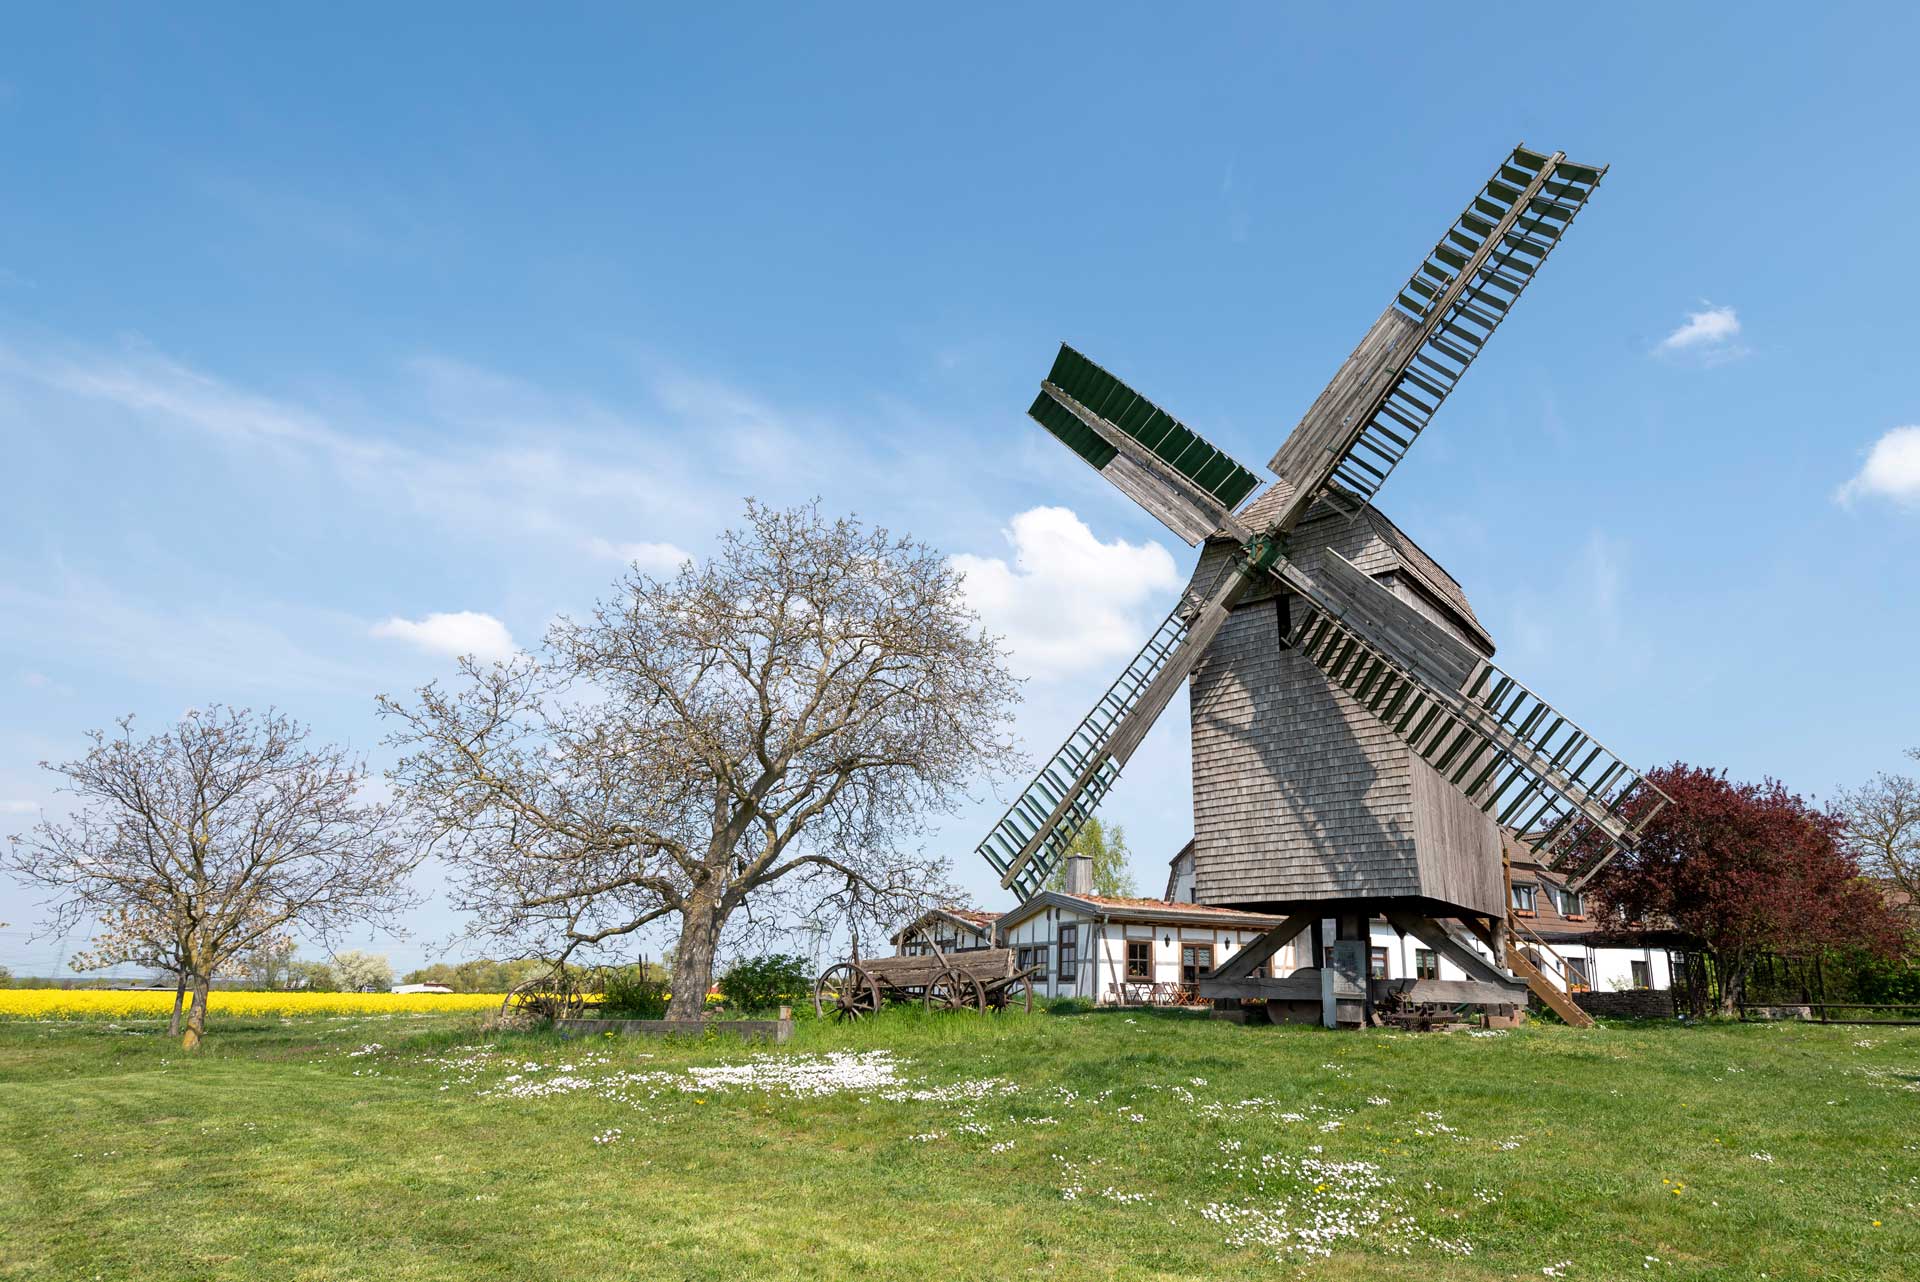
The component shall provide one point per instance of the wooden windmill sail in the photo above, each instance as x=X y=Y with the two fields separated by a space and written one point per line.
x=1501 y=750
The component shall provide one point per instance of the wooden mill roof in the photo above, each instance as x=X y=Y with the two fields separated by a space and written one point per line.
x=1410 y=555
x=1140 y=910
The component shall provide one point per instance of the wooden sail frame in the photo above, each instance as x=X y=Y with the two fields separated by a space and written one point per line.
x=1504 y=748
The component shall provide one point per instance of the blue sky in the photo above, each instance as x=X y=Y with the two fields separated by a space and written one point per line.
x=310 y=333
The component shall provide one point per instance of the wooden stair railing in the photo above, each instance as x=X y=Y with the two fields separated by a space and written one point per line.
x=1557 y=993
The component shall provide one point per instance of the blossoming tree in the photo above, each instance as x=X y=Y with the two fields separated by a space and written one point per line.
x=192 y=846
x=756 y=736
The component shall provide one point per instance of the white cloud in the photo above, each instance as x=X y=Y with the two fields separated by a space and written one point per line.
x=19 y=807
x=1711 y=333
x=459 y=633
x=1065 y=601
x=591 y=464
x=1892 y=469
x=652 y=558
x=505 y=459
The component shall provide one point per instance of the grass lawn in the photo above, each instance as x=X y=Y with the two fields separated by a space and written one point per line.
x=958 y=1146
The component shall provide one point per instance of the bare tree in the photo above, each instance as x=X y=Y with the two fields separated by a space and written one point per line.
x=1883 y=829
x=197 y=844
x=759 y=735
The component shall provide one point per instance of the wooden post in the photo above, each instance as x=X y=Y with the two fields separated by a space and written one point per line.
x=1353 y=943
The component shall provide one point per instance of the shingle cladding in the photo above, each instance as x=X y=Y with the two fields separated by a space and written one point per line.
x=1300 y=793
x=1385 y=546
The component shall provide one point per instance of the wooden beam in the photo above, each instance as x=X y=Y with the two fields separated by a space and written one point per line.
x=1256 y=954
x=1341 y=413
x=1302 y=985
x=1441 y=940
x=1205 y=626
x=1175 y=485
x=1382 y=619
x=1471 y=992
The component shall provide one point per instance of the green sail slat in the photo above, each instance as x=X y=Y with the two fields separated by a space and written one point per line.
x=1169 y=440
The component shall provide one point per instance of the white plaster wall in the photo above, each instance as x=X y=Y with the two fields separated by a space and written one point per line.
x=1608 y=968
x=1103 y=956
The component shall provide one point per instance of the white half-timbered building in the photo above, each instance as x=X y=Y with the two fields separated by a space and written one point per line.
x=1125 y=951
x=953 y=930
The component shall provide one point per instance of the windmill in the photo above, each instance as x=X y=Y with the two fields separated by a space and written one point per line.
x=1481 y=754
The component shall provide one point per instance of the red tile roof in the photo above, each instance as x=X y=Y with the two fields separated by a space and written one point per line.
x=1161 y=905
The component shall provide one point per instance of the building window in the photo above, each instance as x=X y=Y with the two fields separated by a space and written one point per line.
x=1068 y=958
x=1572 y=903
x=1377 y=963
x=1426 y=964
x=1577 y=973
x=1195 y=961
x=1523 y=900
x=1033 y=955
x=1140 y=959
x=1642 y=974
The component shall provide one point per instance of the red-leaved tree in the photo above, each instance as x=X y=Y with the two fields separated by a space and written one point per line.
x=1744 y=869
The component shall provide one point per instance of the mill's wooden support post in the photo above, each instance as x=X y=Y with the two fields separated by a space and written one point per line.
x=1352 y=957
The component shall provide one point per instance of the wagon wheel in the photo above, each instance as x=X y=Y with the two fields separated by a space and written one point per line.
x=845 y=991
x=955 y=990
x=1018 y=992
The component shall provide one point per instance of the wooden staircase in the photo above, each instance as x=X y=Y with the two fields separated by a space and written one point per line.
x=1556 y=994
x=1557 y=999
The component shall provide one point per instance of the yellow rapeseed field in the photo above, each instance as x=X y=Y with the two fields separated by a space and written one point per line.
x=83 y=1003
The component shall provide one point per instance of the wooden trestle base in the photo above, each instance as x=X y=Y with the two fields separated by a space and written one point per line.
x=1343 y=995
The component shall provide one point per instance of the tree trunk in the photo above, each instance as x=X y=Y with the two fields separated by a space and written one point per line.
x=693 y=959
x=197 y=1013
x=179 y=997
x=1733 y=977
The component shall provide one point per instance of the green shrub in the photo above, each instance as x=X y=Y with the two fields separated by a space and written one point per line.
x=762 y=983
x=631 y=992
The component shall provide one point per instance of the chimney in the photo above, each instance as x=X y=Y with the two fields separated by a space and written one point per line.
x=1080 y=875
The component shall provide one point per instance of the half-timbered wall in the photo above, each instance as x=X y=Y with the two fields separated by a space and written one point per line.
x=1103 y=952
x=1609 y=967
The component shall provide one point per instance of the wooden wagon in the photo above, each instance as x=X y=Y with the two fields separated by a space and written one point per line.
x=983 y=979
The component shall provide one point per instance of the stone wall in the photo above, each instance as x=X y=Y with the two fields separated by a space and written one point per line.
x=1631 y=1003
